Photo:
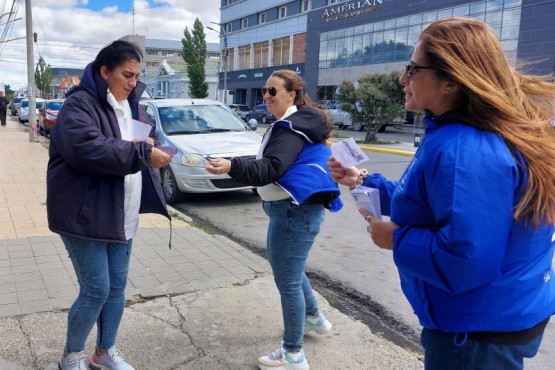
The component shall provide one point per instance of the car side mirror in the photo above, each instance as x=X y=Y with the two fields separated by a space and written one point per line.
x=253 y=124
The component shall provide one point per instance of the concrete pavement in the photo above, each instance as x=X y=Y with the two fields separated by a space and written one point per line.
x=207 y=303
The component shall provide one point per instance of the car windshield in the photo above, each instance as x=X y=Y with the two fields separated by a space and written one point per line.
x=243 y=108
x=54 y=105
x=197 y=119
x=24 y=103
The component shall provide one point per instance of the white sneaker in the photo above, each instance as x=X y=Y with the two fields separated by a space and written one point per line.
x=281 y=359
x=73 y=361
x=111 y=360
x=318 y=324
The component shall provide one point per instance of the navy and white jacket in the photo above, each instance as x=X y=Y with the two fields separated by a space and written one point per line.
x=294 y=158
x=465 y=264
x=88 y=163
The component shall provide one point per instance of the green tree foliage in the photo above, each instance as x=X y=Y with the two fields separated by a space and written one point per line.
x=194 y=54
x=377 y=100
x=43 y=77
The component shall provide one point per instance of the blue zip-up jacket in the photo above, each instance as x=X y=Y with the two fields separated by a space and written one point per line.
x=465 y=264
x=294 y=157
x=88 y=163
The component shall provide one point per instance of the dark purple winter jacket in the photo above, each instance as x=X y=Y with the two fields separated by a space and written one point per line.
x=88 y=163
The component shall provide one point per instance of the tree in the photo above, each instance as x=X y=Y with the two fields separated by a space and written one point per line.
x=194 y=54
x=376 y=101
x=43 y=77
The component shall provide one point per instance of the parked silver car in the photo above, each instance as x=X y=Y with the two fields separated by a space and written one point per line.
x=199 y=129
x=23 y=110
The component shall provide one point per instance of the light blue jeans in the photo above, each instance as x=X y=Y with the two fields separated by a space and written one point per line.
x=291 y=233
x=441 y=353
x=101 y=270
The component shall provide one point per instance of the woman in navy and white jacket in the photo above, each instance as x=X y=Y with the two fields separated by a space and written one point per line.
x=296 y=187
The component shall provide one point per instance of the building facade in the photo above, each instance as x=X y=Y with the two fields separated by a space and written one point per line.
x=333 y=41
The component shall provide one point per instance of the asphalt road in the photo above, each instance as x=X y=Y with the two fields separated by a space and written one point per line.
x=343 y=257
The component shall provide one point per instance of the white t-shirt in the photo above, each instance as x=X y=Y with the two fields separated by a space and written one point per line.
x=133 y=182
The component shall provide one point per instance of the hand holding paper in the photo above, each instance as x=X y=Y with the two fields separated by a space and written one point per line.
x=348 y=153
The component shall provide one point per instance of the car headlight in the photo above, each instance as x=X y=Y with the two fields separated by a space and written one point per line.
x=193 y=160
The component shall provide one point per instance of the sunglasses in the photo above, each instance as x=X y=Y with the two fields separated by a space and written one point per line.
x=411 y=69
x=270 y=90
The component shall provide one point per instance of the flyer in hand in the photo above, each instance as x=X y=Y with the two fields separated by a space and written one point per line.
x=368 y=199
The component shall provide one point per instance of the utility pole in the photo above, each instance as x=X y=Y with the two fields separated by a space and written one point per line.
x=33 y=137
x=226 y=55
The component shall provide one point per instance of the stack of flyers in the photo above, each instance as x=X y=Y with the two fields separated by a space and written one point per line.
x=368 y=199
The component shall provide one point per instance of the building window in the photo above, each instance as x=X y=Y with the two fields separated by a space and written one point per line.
x=230 y=59
x=261 y=54
x=261 y=18
x=213 y=55
x=244 y=23
x=168 y=53
x=283 y=11
x=151 y=52
x=394 y=39
x=305 y=5
x=330 y=2
x=281 y=51
x=228 y=27
x=244 y=57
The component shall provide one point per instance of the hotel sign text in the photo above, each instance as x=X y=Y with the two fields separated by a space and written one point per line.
x=350 y=9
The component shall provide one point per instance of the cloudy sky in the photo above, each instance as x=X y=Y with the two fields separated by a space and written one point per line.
x=71 y=32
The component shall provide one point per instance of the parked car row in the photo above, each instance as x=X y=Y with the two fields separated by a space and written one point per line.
x=46 y=112
x=260 y=113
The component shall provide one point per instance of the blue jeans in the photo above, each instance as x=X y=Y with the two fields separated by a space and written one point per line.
x=291 y=233
x=101 y=270
x=441 y=352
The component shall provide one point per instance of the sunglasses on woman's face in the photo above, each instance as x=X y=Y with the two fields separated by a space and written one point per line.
x=270 y=90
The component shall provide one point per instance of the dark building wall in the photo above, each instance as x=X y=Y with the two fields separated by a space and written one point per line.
x=536 y=37
x=536 y=45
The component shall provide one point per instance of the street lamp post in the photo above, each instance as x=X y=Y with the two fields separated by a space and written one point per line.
x=226 y=54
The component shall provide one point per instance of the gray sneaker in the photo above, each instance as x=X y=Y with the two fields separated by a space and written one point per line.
x=73 y=361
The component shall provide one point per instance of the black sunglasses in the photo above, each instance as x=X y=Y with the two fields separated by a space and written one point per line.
x=270 y=90
x=411 y=69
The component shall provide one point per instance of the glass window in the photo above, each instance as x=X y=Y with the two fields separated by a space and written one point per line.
x=261 y=18
x=282 y=11
x=244 y=57
x=461 y=11
x=281 y=51
x=477 y=9
x=260 y=54
x=244 y=23
x=305 y=5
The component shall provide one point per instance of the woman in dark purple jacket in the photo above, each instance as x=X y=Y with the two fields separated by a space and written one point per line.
x=99 y=178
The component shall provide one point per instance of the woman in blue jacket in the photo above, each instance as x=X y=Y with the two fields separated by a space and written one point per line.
x=99 y=179
x=295 y=186
x=471 y=220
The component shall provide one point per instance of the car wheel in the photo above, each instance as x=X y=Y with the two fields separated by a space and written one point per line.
x=169 y=185
x=357 y=126
x=381 y=128
x=264 y=119
x=247 y=117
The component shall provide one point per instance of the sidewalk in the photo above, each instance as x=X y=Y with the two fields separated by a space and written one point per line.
x=207 y=303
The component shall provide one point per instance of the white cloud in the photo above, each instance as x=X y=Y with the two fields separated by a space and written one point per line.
x=70 y=35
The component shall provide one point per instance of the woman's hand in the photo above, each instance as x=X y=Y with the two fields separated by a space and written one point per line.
x=380 y=231
x=218 y=166
x=343 y=176
x=159 y=159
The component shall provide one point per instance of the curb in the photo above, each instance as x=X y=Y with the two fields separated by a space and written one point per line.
x=387 y=150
